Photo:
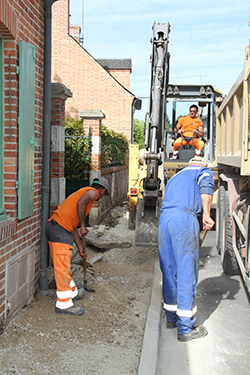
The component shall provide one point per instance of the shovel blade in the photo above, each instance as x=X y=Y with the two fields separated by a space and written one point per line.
x=85 y=285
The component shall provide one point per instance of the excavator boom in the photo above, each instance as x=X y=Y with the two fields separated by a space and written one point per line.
x=148 y=207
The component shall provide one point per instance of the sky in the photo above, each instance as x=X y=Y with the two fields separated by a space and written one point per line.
x=207 y=40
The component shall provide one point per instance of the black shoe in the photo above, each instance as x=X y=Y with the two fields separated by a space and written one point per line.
x=73 y=310
x=171 y=324
x=80 y=295
x=196 y=333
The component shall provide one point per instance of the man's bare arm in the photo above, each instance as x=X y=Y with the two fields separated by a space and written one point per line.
x=207 y=221
x=199 y=132
x=88 y=197
x=178 y=129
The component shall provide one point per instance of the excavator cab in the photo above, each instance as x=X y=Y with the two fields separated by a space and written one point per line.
x=207 y=97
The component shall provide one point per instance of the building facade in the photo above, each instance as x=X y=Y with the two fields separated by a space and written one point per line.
x=21 y=128
x=102 y=85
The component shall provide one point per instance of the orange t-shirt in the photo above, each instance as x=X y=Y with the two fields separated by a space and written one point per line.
x=66 y=213
x=189 y=124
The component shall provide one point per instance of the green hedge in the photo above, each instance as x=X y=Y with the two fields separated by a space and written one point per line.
x=77 y=156
x=77 y=153
x=114 y=148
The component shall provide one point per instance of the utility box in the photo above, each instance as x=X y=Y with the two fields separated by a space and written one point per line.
x=20 y=276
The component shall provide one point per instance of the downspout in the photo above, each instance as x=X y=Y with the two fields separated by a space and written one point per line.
x=43 y=281
x=132 y=121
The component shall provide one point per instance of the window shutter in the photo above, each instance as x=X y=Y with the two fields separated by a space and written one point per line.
x=26 y=121
x=2 y=211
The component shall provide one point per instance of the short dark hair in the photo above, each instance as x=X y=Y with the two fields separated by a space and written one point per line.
x=194 y=106
x=96 y=186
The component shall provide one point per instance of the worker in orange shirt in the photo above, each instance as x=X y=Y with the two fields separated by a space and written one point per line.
x=61 y=230
x=189 y=126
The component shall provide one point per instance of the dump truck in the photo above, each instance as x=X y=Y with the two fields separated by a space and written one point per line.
x=232 y=155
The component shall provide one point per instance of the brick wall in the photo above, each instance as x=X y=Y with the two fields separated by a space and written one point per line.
x=20 y=21
x=92 y=86
x=122 y=76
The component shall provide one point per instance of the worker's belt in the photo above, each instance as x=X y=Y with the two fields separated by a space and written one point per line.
x=56 y=233
x=188 y=139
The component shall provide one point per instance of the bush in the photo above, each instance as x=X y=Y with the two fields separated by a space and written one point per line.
x=77 y=149
x=114 y=148
x=139 y=135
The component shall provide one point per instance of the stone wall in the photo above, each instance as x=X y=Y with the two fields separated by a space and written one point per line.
x=118 y=182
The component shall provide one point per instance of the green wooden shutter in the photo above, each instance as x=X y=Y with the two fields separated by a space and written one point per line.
x=2 y=211
x=26 y=121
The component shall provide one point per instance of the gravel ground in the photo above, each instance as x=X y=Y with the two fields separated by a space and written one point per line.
x=108 y=338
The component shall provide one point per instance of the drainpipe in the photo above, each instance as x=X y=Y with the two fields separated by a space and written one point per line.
x=132 y=121
x=43 y=281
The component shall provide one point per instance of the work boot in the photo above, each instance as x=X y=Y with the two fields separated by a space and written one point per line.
x=171 y=324
x=80 y=295
x=73 y=310
x=196 y=333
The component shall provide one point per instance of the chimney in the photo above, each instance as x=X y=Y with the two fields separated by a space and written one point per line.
x=75 y=31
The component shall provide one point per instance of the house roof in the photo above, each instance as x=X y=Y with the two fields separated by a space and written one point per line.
x=121 y=64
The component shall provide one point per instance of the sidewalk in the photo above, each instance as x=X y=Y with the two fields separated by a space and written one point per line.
x=224 y=309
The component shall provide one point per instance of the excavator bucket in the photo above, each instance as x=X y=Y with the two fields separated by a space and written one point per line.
x=146 y=225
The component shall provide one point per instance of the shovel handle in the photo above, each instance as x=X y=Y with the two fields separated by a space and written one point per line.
x=85 y=281
x=203 y=237
x=84 y=261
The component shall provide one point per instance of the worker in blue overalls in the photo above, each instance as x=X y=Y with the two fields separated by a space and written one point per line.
x=188 y=194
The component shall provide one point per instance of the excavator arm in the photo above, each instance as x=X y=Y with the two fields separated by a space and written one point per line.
x=148 y=207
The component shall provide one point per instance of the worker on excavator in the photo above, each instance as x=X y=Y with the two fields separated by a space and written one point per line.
x=191 y=129
x=179 y=243
x=61 y=230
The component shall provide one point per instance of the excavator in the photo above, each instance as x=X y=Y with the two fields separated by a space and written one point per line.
x=150 y=168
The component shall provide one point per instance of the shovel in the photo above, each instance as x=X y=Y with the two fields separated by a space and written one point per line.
x=201 y=242
x=203 y=237
x=85 y=280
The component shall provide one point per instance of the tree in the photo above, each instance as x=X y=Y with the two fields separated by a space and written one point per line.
x=168 y=124
x=139 y=136
x=139 y=131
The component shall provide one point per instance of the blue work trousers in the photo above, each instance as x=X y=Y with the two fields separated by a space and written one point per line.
x=179 y=261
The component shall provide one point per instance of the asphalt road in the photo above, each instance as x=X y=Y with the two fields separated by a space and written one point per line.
x=223 y=308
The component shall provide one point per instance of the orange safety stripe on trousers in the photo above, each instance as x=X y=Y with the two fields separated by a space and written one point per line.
x=64 y=300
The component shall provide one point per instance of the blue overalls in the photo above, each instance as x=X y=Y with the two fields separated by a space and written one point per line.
x=179 y=242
